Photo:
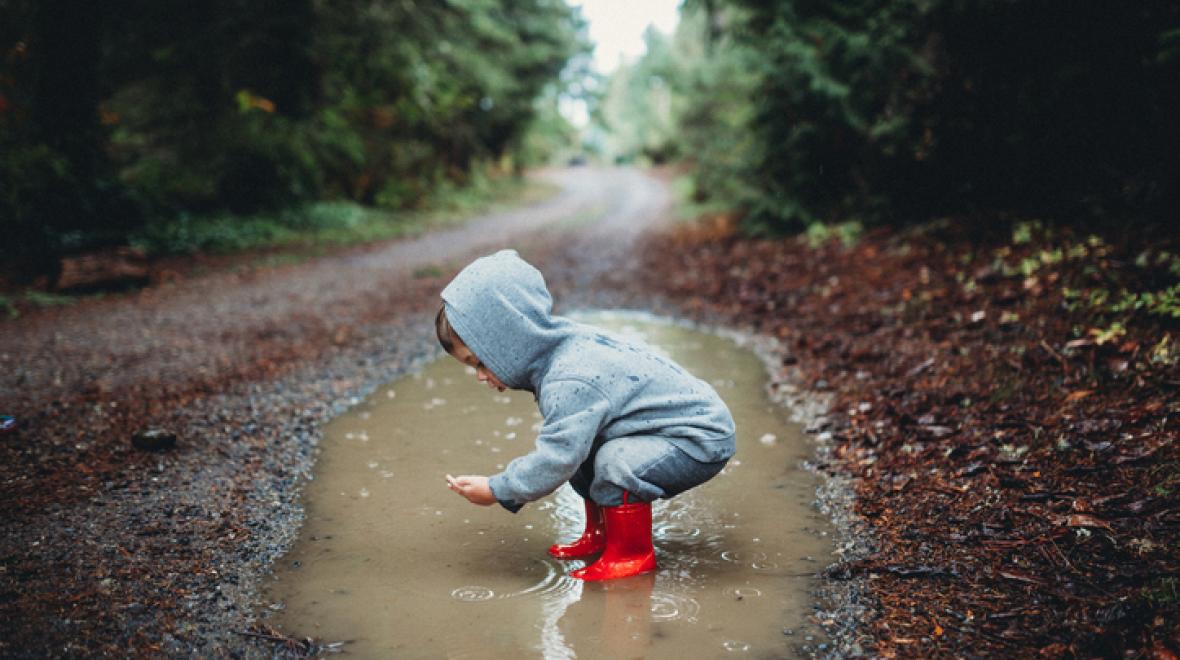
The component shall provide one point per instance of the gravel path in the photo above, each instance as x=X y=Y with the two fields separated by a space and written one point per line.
x=105 y=549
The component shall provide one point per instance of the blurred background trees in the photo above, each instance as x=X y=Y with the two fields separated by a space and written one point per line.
x=796 y=111
x=124 y=115
x=132 y=117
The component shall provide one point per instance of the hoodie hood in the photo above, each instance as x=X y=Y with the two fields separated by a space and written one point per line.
x=501 y=309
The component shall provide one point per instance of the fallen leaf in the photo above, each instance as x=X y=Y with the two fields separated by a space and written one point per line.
x=1021 y=577
x=1084 y=520
x=936 y=430
x=1140 y=453
x=920 y=368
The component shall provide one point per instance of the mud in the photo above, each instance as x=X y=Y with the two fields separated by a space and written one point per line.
x=392 y=563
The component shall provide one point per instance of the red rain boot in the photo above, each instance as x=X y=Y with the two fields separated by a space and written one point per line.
x=592 y=540
x=628 y=543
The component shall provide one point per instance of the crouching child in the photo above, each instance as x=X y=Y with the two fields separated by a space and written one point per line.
x=622 y=425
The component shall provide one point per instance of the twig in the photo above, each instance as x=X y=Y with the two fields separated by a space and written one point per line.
x=273 y=638
x=1055 y=354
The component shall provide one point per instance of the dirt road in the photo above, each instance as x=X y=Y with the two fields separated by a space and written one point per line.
x=105 y=548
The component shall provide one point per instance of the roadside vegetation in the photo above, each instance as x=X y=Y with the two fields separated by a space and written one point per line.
x=789 y=113
x=190 y=245
x=330 y=224
x=182 y=126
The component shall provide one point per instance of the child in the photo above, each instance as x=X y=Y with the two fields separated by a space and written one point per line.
x=622 y=425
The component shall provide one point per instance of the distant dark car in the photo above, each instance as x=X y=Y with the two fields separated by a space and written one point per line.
x=577 y=160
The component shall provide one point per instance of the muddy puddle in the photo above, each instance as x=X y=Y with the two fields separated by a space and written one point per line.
x=395 y=564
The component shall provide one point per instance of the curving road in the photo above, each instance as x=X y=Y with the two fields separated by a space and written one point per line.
x=591 y=222
x=108 y=549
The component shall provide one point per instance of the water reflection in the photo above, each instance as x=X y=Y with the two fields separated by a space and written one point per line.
x=617 y=622
x=391 y=559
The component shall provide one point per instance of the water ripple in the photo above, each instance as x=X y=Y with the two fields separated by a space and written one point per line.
x=667 y=606
x=738 y=593
x=473 y=594
x=734 y=645
x=755 y=559
x=554 y=582
x=673 y=532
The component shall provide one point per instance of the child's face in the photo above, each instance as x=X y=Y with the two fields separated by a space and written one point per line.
x=482 y=373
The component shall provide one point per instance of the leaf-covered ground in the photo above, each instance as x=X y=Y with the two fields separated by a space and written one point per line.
x=1010 y=415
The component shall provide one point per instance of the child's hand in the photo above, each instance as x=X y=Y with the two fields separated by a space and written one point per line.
x=475 y=488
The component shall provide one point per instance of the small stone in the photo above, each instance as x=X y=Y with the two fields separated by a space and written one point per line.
x=817 y=425
x=153 y=440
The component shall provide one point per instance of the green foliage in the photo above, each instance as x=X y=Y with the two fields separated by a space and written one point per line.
x=688 y=99
x=336 y=222
x=550 y=137
x=796 y=111
x=1160 y=271
x=829 y=120
x=637 y=108
x=847 y=233
x=221 y=233
x=1023 y=232
x=1163 y=593
x=45 y=299
x=1160 y=303
x=427 y=271
x=1166 y=478
x=169 y=120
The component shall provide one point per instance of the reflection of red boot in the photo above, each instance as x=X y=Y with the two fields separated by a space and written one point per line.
x=592 y=540
x=628 y=543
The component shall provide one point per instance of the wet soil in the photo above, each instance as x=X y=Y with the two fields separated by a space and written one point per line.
x=1012 y=441
x=389 y=559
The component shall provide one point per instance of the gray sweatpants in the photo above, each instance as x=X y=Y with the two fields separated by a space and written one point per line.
x=647 y=467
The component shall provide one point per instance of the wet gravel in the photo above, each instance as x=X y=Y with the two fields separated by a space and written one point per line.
x=107 y=549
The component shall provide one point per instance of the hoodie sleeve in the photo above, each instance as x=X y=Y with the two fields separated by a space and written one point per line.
x=574 y=413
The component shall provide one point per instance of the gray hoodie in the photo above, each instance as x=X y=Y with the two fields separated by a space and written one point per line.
x=590 y=386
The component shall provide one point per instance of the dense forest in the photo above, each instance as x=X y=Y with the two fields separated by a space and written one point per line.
x=136 y=122
x=131 y=120
x=798 y=112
